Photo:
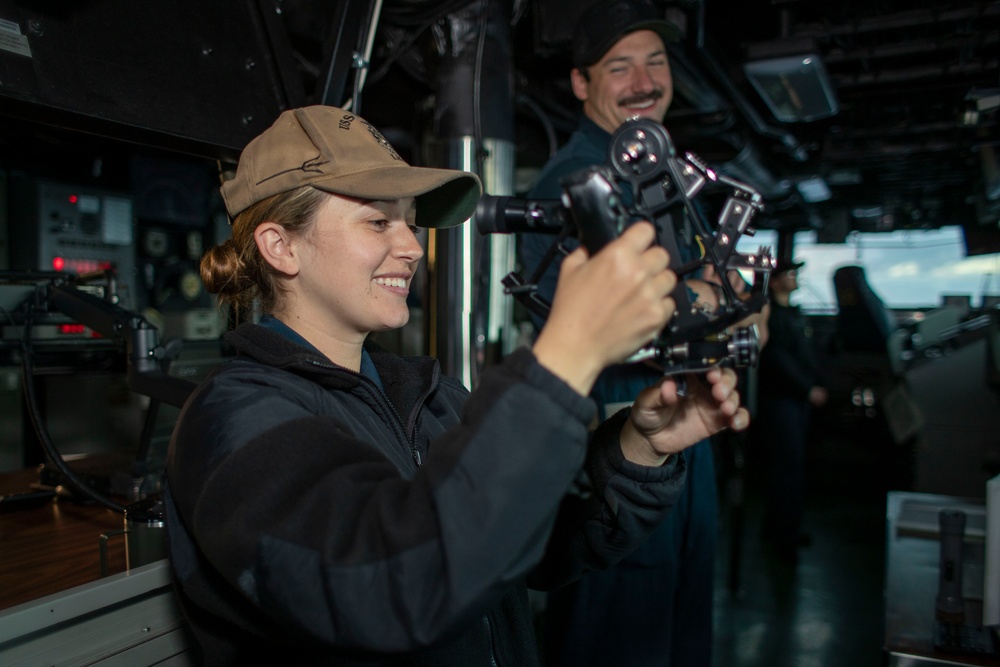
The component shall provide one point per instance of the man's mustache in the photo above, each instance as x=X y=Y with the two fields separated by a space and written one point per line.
x=653 y=95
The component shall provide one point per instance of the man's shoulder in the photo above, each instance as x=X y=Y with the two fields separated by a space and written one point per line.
x=588 y=144
x=580 y=152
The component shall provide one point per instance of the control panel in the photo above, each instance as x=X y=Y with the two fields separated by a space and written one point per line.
x=66 y=228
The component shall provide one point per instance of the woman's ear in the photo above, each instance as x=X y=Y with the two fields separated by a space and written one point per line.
x=274 y=246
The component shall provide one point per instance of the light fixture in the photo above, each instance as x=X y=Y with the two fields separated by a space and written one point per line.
x=792 y=80
x=813 y=189
x=980 y=102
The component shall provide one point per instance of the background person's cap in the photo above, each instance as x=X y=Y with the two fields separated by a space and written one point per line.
x=339 y=152
x=604 y=23
x=786 y=267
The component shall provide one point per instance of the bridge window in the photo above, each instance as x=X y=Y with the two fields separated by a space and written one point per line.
x=909 y=269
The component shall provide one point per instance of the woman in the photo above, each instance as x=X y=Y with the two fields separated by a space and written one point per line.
x=331 y=503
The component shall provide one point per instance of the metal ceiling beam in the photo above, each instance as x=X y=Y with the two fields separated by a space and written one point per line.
x=886 y=151
x=907 y=19
x=987 y=67
x=916 y=47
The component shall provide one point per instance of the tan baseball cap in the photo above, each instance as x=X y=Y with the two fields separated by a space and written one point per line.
x=337 y=151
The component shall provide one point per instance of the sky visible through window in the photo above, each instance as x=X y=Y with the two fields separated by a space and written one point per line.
x=907 y=269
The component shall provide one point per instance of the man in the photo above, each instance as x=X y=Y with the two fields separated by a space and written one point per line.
x=620 y=71
x=655 y=607
x=791 y=385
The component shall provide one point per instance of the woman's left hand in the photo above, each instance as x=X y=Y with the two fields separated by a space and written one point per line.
x=663 y=422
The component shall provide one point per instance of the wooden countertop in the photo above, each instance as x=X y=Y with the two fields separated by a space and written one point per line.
x=50 y=545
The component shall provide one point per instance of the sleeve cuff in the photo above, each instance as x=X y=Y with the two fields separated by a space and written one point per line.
x=610 y=431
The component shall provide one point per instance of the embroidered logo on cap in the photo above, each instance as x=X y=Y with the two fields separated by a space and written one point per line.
x=311 y=165
x=345 y=124
x=381 y=140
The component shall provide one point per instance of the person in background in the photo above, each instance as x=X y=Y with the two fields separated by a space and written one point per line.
x=791 y=383
x=656 y=606
x=329 y=502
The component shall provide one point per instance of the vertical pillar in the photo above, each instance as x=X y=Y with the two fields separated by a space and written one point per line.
x=470 y=319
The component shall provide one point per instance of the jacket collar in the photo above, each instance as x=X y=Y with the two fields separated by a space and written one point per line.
x=592 y=130
x=405 y=380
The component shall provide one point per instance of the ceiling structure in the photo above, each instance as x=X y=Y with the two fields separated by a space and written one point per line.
x=916 y=84
x=87 y=89
x=913 y=142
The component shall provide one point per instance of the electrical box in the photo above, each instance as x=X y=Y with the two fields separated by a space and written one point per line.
x=67 y=228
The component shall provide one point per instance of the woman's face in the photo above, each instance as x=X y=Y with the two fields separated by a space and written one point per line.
x=356 y=265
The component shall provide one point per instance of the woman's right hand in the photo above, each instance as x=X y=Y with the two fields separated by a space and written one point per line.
x=606 y=306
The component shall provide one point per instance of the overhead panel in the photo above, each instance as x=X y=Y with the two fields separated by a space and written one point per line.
x=203 y=77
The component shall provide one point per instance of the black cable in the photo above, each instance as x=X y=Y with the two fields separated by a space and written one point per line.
x=550 y=130
x=477 y=127
x=432 y=10
x=146 y=438
x=10 y=318
x=397 y=53
x=477 y=84
x=34 y=411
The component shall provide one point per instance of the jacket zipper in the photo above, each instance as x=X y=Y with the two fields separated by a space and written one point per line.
x=410 y=443
x=489 y=637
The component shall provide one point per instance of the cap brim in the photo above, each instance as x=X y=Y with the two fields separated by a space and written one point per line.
x=667 y=31
x=794 y=266
x=445 y=197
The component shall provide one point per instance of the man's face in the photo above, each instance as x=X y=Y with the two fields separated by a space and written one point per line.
x=632 y=79
x=786 y=281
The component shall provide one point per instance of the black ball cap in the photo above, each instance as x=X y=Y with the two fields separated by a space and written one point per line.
x=604 y=23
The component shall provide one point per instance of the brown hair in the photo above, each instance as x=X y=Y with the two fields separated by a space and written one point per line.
x=235 y=269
